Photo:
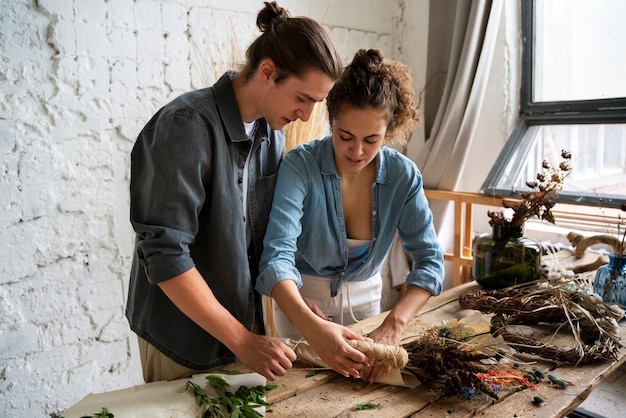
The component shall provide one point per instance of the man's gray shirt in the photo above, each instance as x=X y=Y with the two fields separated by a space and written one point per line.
x=186 y=207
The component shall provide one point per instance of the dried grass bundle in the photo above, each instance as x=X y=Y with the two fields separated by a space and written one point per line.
x=445 y=362
x=299 y=132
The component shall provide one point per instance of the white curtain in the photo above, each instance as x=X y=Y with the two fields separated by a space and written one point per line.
x=464 y=60
x=462 y=38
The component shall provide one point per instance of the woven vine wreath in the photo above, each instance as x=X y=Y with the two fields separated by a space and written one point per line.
x=592 y=323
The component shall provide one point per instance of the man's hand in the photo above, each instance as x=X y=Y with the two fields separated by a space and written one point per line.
x=265 y=355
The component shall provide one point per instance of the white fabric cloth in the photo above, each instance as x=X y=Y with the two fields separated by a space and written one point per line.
x=354 y=302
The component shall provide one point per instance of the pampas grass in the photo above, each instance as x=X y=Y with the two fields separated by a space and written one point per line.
x=299 y=132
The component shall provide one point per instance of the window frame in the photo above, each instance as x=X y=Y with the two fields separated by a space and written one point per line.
x=550 y=113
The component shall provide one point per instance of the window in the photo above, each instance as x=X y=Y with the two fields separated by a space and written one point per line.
x=573 y=97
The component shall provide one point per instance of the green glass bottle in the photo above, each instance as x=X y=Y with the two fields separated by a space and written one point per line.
x=505 y=258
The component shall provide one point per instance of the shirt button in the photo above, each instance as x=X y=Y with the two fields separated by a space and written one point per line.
x=240 y=180
x=373 y=212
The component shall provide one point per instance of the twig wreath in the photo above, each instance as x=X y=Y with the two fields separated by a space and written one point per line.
x=592 y=322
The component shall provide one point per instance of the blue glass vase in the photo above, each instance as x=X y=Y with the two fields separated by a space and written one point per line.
x=505 y=258
x=610 y=281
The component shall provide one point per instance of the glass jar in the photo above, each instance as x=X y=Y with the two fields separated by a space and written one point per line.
x=610 y=281
x=505 y=258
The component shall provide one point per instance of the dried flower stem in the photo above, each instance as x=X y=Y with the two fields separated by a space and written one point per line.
x=539 y=201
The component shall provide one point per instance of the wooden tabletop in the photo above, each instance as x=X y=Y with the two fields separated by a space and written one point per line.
x=328 y=394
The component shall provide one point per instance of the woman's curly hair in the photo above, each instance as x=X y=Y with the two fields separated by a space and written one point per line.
x=373 y=81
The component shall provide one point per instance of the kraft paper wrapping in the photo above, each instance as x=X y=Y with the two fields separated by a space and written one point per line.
x=395 y=377
x=166 y=399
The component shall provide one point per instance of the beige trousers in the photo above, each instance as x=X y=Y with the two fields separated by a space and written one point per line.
x=157 y=366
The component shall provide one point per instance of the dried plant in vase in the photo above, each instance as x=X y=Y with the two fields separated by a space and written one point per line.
x=539 y=201
x=507 y=257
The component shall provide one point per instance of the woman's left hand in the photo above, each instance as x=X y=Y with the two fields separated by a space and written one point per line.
x=379 y=369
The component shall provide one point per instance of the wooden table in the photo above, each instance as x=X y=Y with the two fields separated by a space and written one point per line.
x=329 y=395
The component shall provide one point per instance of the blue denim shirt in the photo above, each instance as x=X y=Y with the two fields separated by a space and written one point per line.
x=307 y=233
x=186 y=206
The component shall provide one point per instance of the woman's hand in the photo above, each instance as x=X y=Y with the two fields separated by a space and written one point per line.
x=378 y=369
x=328 y=340
x=391 y=330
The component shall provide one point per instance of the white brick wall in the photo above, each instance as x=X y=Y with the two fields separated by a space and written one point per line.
x=78 y=81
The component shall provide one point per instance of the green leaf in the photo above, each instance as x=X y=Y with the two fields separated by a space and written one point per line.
x=229 y=372
x=363 y=406
x=312 y=373
x=217 y=381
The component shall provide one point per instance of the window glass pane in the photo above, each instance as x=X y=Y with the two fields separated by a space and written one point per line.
x=579 y=50
x=598 y=151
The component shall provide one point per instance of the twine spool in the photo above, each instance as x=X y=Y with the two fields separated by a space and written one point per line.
x=390 y=355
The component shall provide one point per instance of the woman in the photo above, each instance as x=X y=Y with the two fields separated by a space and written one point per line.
x=337 y=206
x=202 y=179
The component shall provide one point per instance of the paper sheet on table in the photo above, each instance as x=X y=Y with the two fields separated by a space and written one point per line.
x=167 y=399
x=395 y=377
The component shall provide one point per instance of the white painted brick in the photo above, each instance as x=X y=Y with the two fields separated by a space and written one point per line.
x=174 y=17
x=150 y=44
x=176 y=47
x=124 y=74
x=16 y=375
x=62 y=37
x=123 y=42
x=55 y=360
x=36 y=165
x=17 y=257
x=150 y=73
x=7 y=138
x=121 y=13
x=11 y=309
x=148 y=15
x=177 y=75
x=10 y=204
x=62 y=8
x=99 y=296
x=19 y=341
x=36 y=200
x=129 y=107
x=90 y=10
x=107 y=353
x=66 y=71
x=95 y=73
x=91 y=39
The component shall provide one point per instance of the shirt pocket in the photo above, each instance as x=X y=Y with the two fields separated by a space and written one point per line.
x=265 y=187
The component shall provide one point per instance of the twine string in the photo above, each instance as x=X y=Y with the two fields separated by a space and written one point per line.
x=390 y=355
